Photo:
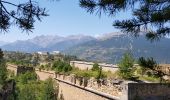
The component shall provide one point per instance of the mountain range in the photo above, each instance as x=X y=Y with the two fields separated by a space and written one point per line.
x=46 y=43
x=3 y=43
x=107 y=48
x=111 y=49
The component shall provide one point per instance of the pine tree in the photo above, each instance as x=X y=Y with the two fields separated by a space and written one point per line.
x=149 y=16
x=151 y=64
x=3 y=69
x=126 y=66
x=49 y=90
x=22 y=15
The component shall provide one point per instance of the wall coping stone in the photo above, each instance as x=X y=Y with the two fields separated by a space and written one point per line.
x=105 y=95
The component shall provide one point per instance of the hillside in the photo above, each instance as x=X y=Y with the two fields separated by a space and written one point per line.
x=106 y=48
x=111 y=49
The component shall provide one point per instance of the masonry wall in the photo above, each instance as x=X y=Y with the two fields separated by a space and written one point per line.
x=147 y=91
x=88 y=65
x=23 y=69
x=83 y=66
x=73 y=89
x=70 y=92
x=131 y=91
x=69 y=89
x=43 y=75
x=12 y=68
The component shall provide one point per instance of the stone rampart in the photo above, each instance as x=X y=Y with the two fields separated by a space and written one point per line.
x=146 y=91
x=43 y=75
x=105 y=90
x=88 y=65
x=79 y=88
x=23 y=69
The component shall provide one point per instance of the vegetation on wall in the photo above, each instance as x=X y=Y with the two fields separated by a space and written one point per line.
x=98 y=74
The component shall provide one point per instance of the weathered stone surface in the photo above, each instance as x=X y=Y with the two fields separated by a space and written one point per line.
x=147 y=91
x=105 y=86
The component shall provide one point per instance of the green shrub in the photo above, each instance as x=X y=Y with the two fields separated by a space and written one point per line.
x=95 y=67
x=61 y=66
x=42 y=67
x=37 y=90
x=26 y=77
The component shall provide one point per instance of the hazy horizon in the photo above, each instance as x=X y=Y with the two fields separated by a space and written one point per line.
x=60 y=35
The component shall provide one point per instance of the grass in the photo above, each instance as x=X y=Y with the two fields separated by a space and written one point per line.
x=90 y=73
x=84 y=73
x=149 y=78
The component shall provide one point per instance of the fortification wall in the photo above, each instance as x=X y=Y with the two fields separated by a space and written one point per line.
x=12 y=68
x=23 y=69
x=43 y=75
x=146 y=91
x=70 y=85
x=70 y=92
x=73 y=88
x=88 y=65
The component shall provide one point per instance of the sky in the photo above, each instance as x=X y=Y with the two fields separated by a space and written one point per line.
x=65 y=18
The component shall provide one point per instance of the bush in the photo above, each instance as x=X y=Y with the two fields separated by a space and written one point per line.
x=61 y=66
x=42 y=67
x=100 y=74
x=95 y=67
x=26 y=77
x=88 y=74
x=37 y=90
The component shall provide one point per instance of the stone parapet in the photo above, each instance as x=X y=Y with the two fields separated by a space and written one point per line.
x=106 y=86
x=88 y=65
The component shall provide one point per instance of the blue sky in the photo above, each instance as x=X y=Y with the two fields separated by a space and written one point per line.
x=66 y=18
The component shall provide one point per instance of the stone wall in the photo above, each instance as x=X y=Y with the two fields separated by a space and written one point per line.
x=19 y=69
x=146 y=91
x=70 y=92
x=78 y=88
x=88 y=65
x=12 y=68
x=102 y=90
x=43 y=75
x=23 y=69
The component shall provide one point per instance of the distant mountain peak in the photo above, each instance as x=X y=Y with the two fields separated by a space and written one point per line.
x=110 y=35
x=79 y=36
x=47 y=43
x=45 y=40
x=3 y=43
